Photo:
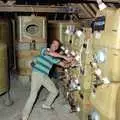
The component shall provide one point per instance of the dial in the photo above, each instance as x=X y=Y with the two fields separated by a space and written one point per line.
x=100 y=56
x=32 y=29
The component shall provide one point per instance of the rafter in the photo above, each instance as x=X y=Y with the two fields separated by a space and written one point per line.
x=39 y=8
x=84 y=10
x=89 y=9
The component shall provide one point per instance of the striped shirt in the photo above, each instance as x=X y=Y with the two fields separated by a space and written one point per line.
x=44 y=63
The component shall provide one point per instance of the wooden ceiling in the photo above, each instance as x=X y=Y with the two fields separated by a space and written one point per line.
x=78 y=8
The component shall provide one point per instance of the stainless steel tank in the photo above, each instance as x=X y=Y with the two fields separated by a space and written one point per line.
x=106 y=45
x=106 y=53
x=6 y=37
x=106 y=102
x=32 y=36
x=32 y=28
x=3 y=69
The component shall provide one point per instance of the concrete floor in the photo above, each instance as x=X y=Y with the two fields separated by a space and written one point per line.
x=19 y=93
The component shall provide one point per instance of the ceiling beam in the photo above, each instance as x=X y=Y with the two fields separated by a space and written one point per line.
x=73 y=1
x=89 y=9
x=107 y=1
x=40 y=8
x=85 y=11
x=111 y=5
x=94 y=7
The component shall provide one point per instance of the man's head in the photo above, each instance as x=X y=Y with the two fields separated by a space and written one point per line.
x=55 y=45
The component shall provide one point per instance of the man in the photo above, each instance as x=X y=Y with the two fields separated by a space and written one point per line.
x=41 y=66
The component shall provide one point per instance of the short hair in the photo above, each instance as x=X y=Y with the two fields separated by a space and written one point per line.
x=58 y=50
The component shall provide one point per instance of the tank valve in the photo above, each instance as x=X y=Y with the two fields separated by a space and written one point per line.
x=33 y=45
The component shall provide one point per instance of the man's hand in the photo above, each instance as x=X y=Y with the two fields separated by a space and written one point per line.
x=73 y=62
x=67 y=65
x=52 y=53
x=55 y=54
x=68 y=59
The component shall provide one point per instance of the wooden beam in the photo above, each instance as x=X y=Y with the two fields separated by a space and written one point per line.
x=85 y=11
x=88 y=9
x=94 y=7
x=10 y=2
x=111 y=5
x=1 y=2
x=107 y=1
x=39 y=8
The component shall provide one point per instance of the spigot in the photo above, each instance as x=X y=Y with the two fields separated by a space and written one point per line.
x=97 y=82
x=33 y=45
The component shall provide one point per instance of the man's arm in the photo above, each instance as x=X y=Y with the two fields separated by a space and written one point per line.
x=63 y=64
x=55 y=54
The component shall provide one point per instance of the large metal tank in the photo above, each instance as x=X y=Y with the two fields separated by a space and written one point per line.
x=32 y=28
x=4 y=30
x=106 y=43
x=3 y=69
x=118 y=105
x=106 y=102
x=6 y=37
x=106 y=53
x=31 y=37
x=24 y=55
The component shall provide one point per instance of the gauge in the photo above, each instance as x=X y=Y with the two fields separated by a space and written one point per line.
x=32 y=29
x=100 y=56
x=95 y=116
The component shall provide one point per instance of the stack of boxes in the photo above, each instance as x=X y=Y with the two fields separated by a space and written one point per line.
x=31 y=38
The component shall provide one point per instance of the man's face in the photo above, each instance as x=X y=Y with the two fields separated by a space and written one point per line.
x=55 y=45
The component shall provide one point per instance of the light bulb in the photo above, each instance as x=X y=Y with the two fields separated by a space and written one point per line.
x=78 y=108
x=78 y=87
x=94 y=65
x=102 y=6
x=66 y=70
x=77 y=57
x=72 y=53
x=98 y=72
x=78 y=33
x=66 y=51
x=72 y=29
x=106 y=80
x=76 y=81
x=63 y=48
x=67 y=94
x=67 y=31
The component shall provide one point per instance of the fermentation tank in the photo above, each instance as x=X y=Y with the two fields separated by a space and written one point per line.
x=106 y=54
x=3 y=69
